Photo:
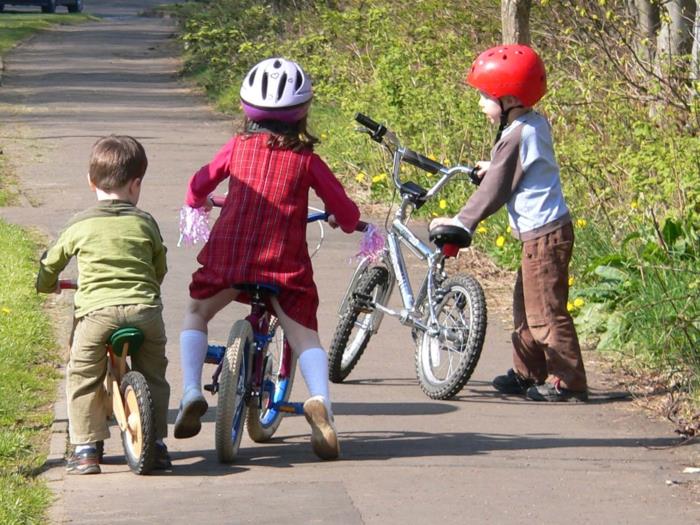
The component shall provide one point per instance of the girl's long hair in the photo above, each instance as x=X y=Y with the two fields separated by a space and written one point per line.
x=295 y=137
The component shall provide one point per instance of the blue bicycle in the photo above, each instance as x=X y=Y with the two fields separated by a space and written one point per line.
x=255 y=371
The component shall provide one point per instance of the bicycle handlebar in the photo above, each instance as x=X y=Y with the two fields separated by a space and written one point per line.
x=67 y=284
x=378 y=131
x=218 y=201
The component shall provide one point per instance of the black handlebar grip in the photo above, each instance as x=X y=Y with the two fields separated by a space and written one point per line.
x=361 y=226
x=422 y=162
x=377 y=130
x=367 y=122
x=476 y=180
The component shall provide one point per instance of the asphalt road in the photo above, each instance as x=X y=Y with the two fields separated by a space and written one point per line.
x=480 y=458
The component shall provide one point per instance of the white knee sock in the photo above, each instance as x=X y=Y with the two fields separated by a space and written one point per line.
x=313 y=363
x=193 y=351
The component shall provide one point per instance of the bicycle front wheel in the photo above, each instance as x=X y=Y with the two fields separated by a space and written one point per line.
x=263 y=418
x=139 y=437
x=446 y=361
x=230 y=410
x=355 y=327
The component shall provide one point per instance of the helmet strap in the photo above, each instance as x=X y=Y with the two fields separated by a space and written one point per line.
x=504 y=118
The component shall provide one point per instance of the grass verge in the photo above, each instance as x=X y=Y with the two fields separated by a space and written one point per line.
x=15 y=27
x=27 y=381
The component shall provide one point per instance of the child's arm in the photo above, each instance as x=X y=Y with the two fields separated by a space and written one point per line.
x=205 y=181
x=52 y=263
x=497 y=184
x=329 y=189
x=160 y=263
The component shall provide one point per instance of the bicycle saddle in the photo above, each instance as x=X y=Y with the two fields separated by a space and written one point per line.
x=257 y=288
x=448 y=234
x=132 y=336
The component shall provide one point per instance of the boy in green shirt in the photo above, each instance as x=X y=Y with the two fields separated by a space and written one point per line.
x=121 y=262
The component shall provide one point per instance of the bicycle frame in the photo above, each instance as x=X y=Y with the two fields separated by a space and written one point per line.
x=399 y=233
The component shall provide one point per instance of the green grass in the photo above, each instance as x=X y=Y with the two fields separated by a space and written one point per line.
x=27 y=381
x=15 y=27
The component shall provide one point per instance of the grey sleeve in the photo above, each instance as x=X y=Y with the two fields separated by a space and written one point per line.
x=498 y=184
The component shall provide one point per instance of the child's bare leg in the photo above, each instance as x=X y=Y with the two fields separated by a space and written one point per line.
x=193 y=351
x=313 y=363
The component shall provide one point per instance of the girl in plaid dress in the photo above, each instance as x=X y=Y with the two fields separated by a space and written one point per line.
x=260 y=237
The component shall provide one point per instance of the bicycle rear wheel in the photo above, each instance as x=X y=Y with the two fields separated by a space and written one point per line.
x=445 y=362
x=262 y=419
x=139 y=437
x=230 y=411
x=355 y=327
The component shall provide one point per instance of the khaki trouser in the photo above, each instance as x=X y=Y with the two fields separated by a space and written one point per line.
x=87 y=368
x=545 y=344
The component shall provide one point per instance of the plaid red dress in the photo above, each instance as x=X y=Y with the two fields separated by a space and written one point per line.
x=260 y=235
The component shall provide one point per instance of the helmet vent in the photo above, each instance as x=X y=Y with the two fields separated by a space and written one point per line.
x=299 y=82
x=277 y=64
x=251 y=77
x=281 y=85
x=264 y=86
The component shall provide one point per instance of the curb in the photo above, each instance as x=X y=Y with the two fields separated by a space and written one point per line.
x=58 y=441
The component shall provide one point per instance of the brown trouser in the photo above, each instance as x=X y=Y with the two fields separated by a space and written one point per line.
x=545 y=345
x=87 y=367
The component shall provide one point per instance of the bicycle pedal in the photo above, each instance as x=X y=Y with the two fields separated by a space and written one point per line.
x=211 y=388
x=362 y=302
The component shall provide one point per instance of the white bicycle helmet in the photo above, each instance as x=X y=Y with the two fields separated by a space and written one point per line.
x=276 y=89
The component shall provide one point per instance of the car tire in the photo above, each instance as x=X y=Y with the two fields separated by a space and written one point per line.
x=49 y=6
x=76 y=7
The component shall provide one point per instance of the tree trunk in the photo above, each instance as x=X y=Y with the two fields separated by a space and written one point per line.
x=515 y=21
x=647 y=15
x=695 y=70
x=676 y=34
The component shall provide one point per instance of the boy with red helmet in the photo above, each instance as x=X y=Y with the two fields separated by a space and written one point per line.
x=523 y=175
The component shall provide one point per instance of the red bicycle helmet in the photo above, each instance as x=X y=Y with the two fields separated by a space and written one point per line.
x=514 y=70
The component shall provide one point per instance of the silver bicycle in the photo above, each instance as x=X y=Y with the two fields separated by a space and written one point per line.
x=448 y=315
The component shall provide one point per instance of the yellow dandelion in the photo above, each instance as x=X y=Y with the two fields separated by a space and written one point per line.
x=481 y=229
x=360 y=177
x=569 y=307
x=6 y=310
x=581 y=223
x=571 y=281
x=378 y=178
x=509 y=229
x=324 y=136
x=500 y=241
x=443 y=204
x=634 y=205
x=435 y=214
x=578 y=302
x=432 y=157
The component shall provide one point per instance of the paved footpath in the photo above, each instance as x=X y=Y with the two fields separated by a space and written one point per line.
x=481 y=458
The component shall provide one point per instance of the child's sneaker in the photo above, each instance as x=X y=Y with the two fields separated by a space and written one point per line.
x=324 y=438
x=192 y=407
x=84 y=462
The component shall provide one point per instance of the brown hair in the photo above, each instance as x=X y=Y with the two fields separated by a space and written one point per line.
x=115 y=161
x=283 y=136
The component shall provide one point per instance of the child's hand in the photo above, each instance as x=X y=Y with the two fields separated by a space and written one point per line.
x=332 y=222
x=483 y=165
x=209 y=204
x=441 y=221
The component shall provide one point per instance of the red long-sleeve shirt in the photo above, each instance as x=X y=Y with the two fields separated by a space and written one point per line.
x=260 y=236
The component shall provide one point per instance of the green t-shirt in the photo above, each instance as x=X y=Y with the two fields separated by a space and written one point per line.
x=121 y=257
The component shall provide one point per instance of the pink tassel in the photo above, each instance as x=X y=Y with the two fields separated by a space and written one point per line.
x=194 y=226
x=371 y=244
